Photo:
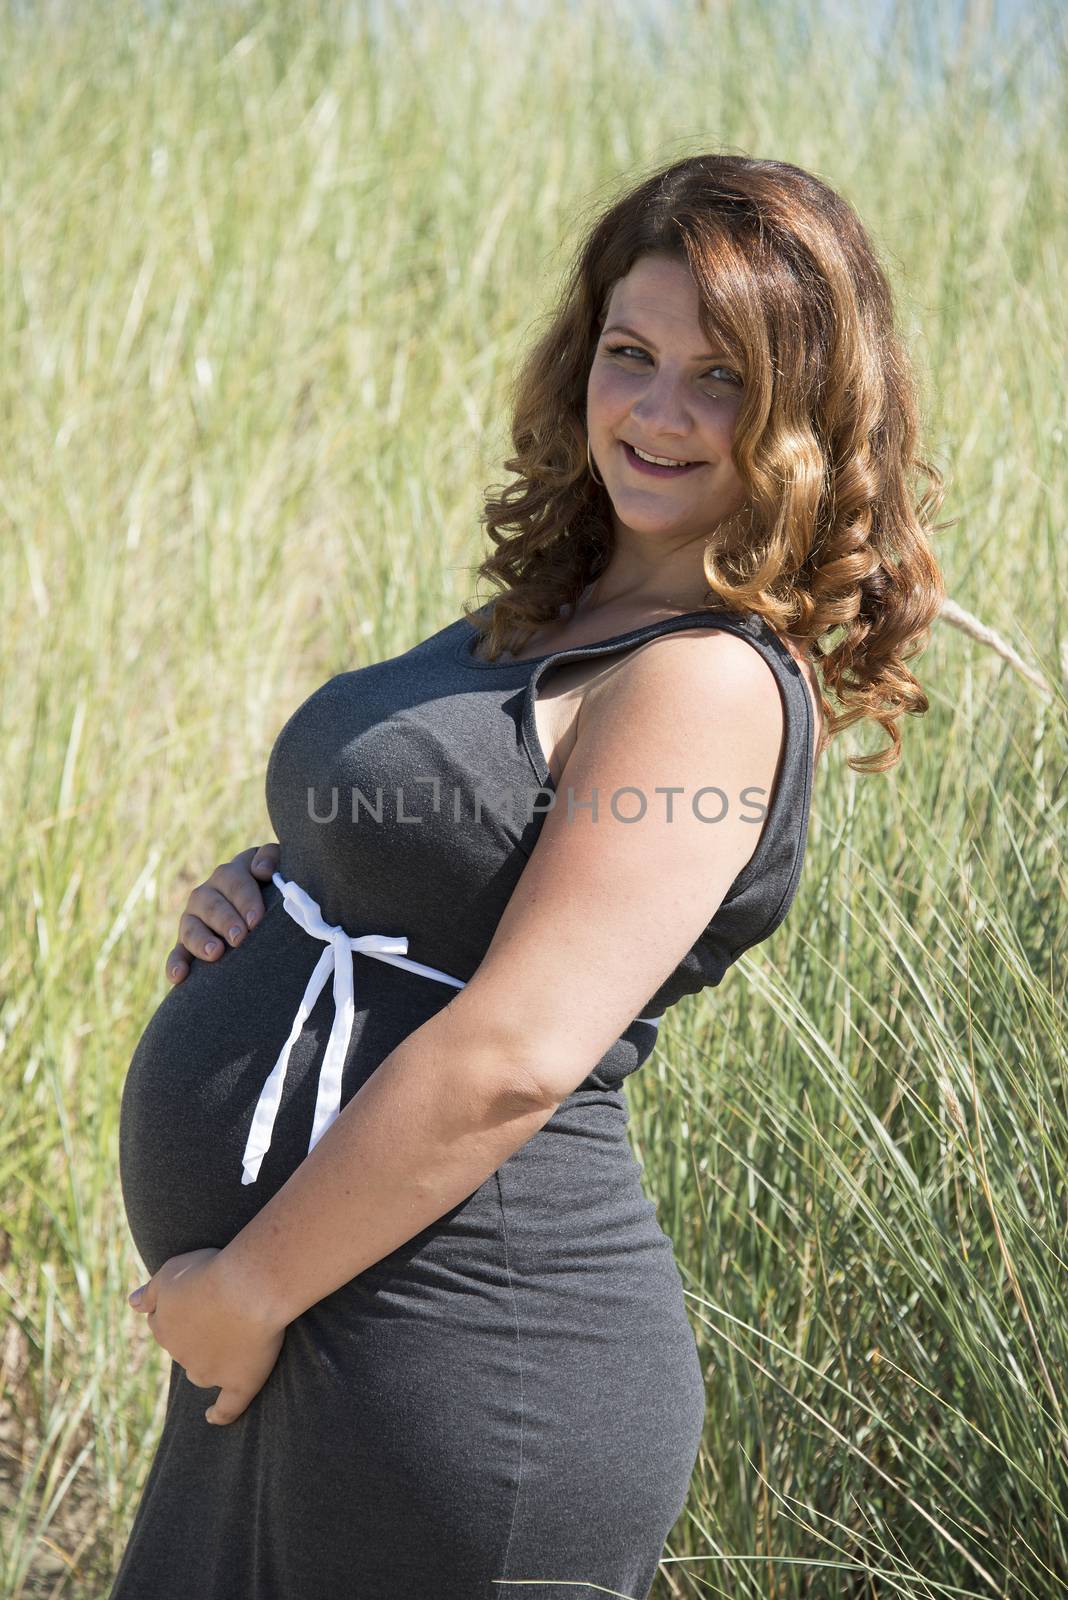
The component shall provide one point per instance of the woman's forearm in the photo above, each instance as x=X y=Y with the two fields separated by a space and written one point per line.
x=434 y=1120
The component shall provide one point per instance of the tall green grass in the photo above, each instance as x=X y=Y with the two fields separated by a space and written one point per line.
x=266 y=273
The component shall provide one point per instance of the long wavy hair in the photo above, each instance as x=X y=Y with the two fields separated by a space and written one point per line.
x=831 y=538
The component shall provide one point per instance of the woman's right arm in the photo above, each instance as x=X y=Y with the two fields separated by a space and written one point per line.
x=222 y=909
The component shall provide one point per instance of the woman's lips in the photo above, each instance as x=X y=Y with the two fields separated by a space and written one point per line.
x=654 y=471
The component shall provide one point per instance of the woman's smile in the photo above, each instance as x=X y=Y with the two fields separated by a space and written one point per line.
x=654 y=469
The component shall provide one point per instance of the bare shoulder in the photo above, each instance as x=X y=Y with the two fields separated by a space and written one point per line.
x=713 y=677
x=719 y=667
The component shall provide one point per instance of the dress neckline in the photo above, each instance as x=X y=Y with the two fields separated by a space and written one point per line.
x=505 y=662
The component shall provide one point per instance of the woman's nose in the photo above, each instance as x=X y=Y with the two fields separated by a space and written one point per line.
x=663 y=406
x=662 y=412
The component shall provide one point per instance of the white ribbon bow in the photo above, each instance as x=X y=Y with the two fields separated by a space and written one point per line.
x=336 y=958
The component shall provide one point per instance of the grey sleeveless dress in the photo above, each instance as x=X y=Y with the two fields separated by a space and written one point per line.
x=516 y=1392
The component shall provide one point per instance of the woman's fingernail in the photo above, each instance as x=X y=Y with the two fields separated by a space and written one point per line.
x=176 y=972
x=252 y=918
x=235 y=933
x=211 y=947
x=135 y=1296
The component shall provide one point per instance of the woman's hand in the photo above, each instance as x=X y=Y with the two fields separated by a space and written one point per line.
x=227 y=904
x=200 y=1314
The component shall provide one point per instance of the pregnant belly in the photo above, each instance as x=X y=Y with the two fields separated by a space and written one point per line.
x=198 y=1068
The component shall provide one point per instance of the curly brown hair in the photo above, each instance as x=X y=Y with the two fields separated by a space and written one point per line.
x=825 y=439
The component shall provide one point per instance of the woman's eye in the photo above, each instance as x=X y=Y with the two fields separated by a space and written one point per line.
x=627 y=350
x=631 y=352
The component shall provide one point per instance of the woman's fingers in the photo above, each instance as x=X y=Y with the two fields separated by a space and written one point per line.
x=178 y=962
x=237 y=880
x=265 y=860
x=220 y=911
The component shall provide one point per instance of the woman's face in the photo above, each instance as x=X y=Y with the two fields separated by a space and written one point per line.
x=655 y=383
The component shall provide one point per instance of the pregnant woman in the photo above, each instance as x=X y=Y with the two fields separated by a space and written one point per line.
x=428 y=1339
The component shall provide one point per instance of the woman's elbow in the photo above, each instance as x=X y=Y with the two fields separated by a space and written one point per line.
x=510 y=1060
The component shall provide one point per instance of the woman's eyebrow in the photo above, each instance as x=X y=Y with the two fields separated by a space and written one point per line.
x=632 y=333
